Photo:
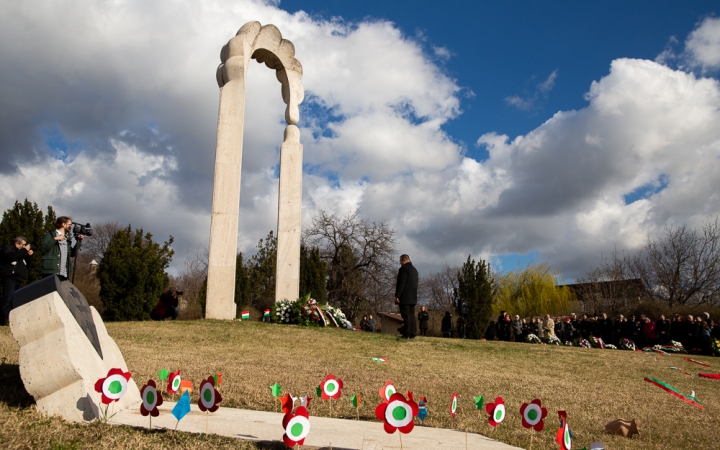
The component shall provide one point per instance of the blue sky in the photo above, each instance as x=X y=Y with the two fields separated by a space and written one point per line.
x=502 y=49
x=509 y=131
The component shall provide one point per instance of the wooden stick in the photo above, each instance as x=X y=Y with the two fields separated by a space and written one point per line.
x=150 y=427
x=532 y=435
x=466 y=439
x=206 y=422
x=400 y=441
x=112 y=413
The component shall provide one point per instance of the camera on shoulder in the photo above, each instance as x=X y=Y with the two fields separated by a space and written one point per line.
x=82 y=229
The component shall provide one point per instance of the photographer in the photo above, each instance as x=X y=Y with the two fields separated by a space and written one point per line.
x=13 y=270
x=167 y=306
x=57 y=250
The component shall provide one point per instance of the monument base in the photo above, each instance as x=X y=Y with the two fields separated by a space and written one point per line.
x=60 y=360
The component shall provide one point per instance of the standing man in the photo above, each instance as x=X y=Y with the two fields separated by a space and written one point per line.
x=406 y=296
x=13 y=270
x=57 y=250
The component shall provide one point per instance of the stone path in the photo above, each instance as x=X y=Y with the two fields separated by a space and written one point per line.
x=324 y=432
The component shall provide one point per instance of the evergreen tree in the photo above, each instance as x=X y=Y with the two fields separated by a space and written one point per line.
x=475 y=292
x=262 y=267
x=26 y=219
x=243 y=285
x=313 y=274
x=132 y=274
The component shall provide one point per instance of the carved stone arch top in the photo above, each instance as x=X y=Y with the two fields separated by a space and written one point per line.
x=266 y=45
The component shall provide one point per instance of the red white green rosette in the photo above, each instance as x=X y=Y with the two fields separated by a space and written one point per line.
x=209 y=396
x=453 y=404
x=113 y=386
x=297 y=427
x=496 y=411
x=564 y=436
x=533 y=414
x=386 y=391
x=397 y=413
x=174 y=382
x=331 y=387
x=150 y=399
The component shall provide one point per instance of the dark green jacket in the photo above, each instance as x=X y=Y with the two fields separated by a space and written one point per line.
x=50 y=249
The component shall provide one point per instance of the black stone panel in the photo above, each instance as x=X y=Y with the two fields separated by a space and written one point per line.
x=73 y=299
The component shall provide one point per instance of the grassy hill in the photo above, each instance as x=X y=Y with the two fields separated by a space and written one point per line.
x=594 y=386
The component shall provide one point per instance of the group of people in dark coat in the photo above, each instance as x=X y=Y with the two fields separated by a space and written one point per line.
x=694 y=333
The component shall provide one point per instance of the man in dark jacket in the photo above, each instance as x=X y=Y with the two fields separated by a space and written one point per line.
x=406 y=296
x=57 y=249
x=13 y=270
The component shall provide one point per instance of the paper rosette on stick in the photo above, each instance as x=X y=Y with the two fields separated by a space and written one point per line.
x=386 y=391
x=297 y=427
x=453 y=404
x=397 y=413
x=496 y=411
x=209 y=396
x=564 y=436
x=174 y=382
x=150 y=399
x=331 y=387
x=533 y=414
x=113 y=386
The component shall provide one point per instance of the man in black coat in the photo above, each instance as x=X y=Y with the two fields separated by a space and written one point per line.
x=13 y=270
x=406 y=296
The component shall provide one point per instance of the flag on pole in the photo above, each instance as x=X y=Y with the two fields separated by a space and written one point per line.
x=355 y=399
x=245 y=315
x=182 y=407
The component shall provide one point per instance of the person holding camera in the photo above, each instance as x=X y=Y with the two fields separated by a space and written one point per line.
x=57 y=249
x=167 y=306
x=13 y=270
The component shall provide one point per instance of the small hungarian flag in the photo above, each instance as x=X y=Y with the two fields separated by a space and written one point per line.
x=245 y=315
x=266 y=313
x=355 y=399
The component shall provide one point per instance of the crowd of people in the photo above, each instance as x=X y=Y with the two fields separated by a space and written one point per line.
x=694 y=332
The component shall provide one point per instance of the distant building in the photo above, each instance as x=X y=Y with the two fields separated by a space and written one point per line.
x=608 y=296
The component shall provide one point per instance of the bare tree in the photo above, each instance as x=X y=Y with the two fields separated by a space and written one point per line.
x=94 y=246
x=682 y=267
x=359 y=254
x=192 y=282
x=439 y=289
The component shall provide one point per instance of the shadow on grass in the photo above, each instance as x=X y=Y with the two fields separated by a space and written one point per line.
x=13 y=392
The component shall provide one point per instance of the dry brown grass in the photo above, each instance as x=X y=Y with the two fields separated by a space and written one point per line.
x=594 y=386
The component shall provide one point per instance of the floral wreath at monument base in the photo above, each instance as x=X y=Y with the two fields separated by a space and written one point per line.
x=308 y=312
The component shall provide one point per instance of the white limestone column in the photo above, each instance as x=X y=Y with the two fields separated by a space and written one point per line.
x=226 y=193
x=287 y=279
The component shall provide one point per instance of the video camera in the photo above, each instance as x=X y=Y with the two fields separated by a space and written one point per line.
x=82 y=229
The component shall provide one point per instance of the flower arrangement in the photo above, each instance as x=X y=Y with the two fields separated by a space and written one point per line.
x=553 y=340
x=533 y=338
x=568 y=343
x=284 y=311
x=715 y=346
x=597 y=341
x=610 y=346
x=308 y=312
x=584 y=343
x=627 y=344
x=339 y=316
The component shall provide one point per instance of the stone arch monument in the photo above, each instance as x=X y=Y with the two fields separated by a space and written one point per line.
x=266 y=45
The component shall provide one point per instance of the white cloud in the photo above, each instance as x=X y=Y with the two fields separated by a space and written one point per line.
x=703 y=45
x=541 y=91
x=132 y=93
